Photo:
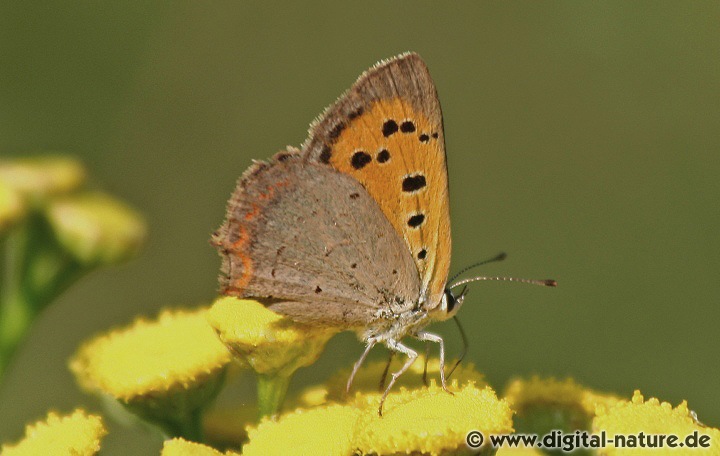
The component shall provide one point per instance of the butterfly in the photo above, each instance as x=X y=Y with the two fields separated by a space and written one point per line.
x=352 y=230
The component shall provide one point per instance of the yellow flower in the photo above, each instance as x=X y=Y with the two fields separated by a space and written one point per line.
x=270 y=343
x=96 y=228
x=429 y=420
x=426 y=420
x=324 y=430
x=12 y=207
x=652 y=417
x=546 y=404
x=76 y=434
x=181 y=447
x=39 y=177
x=165 y=370
x=176 y=351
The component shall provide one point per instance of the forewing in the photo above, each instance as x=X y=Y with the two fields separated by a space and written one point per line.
x=387 y=133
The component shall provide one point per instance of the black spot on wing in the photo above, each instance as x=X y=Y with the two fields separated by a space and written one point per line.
x=334 y=134
x=360 y=159
x=383 y=156
x=356 y=113
x=389 y=127
x=413 y=183
x=416 y=220
x=325 y=154
x=407 y=127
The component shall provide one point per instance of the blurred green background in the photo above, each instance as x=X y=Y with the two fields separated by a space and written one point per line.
x=583 y=138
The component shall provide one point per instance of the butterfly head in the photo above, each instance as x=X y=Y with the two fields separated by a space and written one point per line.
x=450 y=304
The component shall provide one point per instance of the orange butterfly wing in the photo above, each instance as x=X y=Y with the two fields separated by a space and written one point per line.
x=387 y=133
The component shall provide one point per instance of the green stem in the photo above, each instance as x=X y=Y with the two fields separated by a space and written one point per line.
x=16 y=314
x=271 y=393
x=35 y=270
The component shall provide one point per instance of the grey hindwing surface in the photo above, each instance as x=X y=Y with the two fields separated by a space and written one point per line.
x=316 y=244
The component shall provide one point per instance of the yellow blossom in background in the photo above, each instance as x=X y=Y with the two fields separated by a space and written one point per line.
x=544 y=404
x=96 y=228
x=165 y=370
x=37 y=178
x=550 y=392
x=652 y=417
x=77 y=434
x=52 y=235
x=268 y=342
x=426 y=420
x=182 y=447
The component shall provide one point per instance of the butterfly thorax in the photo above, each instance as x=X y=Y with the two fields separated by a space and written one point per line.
x=394 y=325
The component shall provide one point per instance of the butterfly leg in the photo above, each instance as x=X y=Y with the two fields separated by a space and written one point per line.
x=429 y=337
x=412 y=355
x=381 y=388
x=427 y=358
x=370 y=344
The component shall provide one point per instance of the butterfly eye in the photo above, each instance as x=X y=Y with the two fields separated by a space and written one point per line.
x=450 y=300
x=453 y=302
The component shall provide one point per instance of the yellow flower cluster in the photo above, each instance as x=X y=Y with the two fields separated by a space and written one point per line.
x=426 y=420
x=159 y=361
x=168 y=370
x=416 y=419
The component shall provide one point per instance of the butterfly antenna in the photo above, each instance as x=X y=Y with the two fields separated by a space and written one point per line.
x=464 y=349
x=542 y=282
x=499 y=257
